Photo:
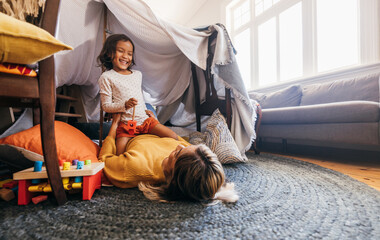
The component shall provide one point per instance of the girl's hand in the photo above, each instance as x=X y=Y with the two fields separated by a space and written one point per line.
x=150 y=113
x=130 y=103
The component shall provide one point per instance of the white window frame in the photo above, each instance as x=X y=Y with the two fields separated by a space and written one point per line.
x=369 y=33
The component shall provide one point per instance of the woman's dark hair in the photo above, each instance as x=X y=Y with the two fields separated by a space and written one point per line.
x=109 y=48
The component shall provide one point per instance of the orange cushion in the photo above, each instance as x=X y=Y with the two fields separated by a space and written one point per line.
x=18 y=69
x=71 y=143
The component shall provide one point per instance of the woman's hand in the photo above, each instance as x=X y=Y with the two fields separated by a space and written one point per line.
x=150 y=113
x=116 y=118
x=130 y=103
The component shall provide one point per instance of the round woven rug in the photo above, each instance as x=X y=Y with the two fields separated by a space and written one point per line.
x=280 y=198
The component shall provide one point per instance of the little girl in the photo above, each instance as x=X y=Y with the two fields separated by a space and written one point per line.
x=120 y=91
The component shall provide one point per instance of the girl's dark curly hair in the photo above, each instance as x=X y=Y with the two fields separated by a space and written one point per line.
x=109 y=48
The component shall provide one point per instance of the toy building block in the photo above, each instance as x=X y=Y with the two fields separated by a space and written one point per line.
x=75 y=162
x=66 y=183
x=4 y=182
x=66 y=166
x=37 y=168
x=37 y=188
x=24 y=196
x=47 y=188
x=87 y=162
x=80 y=165
x=10 y=185
x=39 y=199
x=7 y=194
x=77 y=185
x=78 y=179
x=61 y=162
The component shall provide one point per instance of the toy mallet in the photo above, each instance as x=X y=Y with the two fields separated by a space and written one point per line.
x=131 y=124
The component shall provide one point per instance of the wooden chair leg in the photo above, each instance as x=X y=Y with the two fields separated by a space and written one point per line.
x=257 y=126
x=228 y=107
x=47 y=103
x=101 y=120
x=36 y=114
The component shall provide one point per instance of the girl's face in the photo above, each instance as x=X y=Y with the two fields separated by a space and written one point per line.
x=122 y=58
x=169 y=162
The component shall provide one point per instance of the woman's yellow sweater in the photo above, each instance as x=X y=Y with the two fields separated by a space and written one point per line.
x=141 y=161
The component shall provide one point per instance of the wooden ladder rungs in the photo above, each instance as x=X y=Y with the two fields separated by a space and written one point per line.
x=60 y=96
x=61 y=114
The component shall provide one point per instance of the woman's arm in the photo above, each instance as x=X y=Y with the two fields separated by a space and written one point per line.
x=108 y=149
x=115 y=122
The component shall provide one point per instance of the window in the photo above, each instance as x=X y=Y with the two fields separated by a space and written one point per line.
x=279 y=41
x=337 y=37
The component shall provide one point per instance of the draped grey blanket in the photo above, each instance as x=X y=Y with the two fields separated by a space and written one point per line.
x=163 y=53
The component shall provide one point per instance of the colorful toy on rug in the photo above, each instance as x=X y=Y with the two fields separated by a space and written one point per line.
x=6 y=194
x=8 y=189
x=131 y=124
x=39 y=199
x=82 y=175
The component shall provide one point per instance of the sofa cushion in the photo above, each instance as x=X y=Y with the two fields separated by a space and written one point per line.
x=365 y=88
x=326 y=133
x=287 y=97
x=340 y=112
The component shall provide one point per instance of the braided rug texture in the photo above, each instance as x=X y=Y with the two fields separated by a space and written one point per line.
x=280 y=198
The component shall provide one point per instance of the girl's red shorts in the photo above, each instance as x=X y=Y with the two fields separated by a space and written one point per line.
x=146 y=127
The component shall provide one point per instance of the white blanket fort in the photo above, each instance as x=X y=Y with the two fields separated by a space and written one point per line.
x=164 y=52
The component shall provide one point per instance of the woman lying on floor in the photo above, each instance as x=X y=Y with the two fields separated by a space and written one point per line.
x=166 y=169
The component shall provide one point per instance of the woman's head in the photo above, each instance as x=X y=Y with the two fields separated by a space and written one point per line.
x=192 y=173
x=117 y=52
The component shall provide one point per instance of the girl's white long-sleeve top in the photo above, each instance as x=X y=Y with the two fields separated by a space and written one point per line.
x=116 y=89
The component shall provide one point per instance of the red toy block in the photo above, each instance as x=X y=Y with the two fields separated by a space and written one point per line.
x=39 y=199
x=24 y=196
x=10 y=185
x=5 y=182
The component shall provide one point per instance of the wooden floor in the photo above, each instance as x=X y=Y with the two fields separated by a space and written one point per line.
x=367 y=172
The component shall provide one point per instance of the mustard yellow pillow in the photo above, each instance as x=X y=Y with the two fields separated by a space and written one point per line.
x=24 y=43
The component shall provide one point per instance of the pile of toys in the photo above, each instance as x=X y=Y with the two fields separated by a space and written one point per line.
x=8 y=187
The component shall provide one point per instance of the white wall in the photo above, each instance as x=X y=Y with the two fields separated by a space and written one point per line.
x=211 y=12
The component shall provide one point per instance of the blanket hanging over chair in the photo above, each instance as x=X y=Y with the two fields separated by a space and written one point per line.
x=163 y=53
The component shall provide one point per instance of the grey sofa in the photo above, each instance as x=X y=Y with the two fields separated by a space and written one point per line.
x=342 y=114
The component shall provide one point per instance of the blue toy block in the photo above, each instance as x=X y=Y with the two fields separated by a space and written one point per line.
x=80 y=164
x=78 y=179
x=38 y=166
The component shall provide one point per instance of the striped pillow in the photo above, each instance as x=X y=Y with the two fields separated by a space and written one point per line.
x=219 y=139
